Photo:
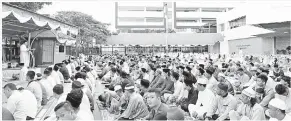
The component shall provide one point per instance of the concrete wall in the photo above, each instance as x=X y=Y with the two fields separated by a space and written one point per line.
x=268 y=45
x=224 y=49
x=59 y=56
x=282 y=42
x=214 y=48
x=248 y=45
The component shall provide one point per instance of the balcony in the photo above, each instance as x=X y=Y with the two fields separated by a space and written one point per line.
x=207 y=4
x=197 y=14
x=140 y=14
x=196 y=24
x=140 y=23
x=144 y=4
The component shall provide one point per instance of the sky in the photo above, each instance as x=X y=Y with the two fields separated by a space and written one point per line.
x=99 y=10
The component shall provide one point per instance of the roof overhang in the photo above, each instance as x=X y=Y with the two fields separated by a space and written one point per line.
x=246 y=31
x=61 y=37
x=280 y=29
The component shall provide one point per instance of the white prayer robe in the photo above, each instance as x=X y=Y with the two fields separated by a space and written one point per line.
x=245 y=112
x=205 y=98
x=24 y=55
x=22 y=75
x=30 y=103
x=16 y=105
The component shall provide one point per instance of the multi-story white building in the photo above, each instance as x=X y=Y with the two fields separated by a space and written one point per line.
x=181 y=16
x=199 y=16
x=139 y=16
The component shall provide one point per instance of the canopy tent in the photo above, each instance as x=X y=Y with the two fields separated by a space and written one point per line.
x=18 y=21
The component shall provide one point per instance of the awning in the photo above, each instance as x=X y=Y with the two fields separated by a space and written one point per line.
x=17 y=21
x=61 y=37
x=280 y=29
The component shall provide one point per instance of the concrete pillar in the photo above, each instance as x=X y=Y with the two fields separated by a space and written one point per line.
x=274 y=46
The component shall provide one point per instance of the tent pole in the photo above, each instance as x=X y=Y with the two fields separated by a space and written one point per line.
x=10 y=49
x=29 y=46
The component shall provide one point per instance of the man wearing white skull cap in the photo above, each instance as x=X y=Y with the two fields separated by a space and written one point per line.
x=205 y=97
x=249 y=109
x=277 y=109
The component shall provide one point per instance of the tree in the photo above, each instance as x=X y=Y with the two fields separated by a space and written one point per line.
x=89 y=27
x=32 y=6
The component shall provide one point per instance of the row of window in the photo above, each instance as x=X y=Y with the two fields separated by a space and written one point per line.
x=234 y=23
x=178 y=9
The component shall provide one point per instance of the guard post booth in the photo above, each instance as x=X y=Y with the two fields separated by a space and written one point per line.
x=51 y=46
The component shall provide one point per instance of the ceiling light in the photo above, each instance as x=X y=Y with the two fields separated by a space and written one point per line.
x=286 y=32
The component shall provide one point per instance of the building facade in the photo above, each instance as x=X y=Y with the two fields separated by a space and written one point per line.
x=251 y=31
x=155 y=17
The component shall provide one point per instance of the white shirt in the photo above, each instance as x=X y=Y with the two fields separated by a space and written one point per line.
x=48 y=86
x=91 y=79
x=69 y=69
x=287 y=100
x=51 y=81
x=147 y=77
x=35 y=88
x=16 y=105
x=178 y=89
x=22 y=75
x=287 y=118
x=62 y=98
x=61 y=76
x=288 y=73
x=271 y=83
x=107 y=75
x=30 y=103
x=125 y=68
x=84 y=116
x=205 y=98
x=85 y=104
x=211 y=83
x=72 y=65
x=85 y=83
x=56 y=77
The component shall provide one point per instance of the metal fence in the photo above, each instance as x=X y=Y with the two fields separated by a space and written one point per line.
x=134 y=50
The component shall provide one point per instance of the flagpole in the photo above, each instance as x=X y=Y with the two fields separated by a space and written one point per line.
x=166 y=21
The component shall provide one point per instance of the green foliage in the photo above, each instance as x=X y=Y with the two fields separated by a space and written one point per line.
x=89 y=27
x=32 y=6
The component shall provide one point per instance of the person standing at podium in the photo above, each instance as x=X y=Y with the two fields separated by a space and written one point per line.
x=24 y=53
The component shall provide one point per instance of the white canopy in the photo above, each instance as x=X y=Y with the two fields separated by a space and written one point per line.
x=16 y=21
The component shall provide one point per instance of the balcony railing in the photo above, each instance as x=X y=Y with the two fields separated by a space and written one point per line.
x=197 y=14
x=189 y=24
x=140 y=23
x=140 y=14
x=145 y=4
